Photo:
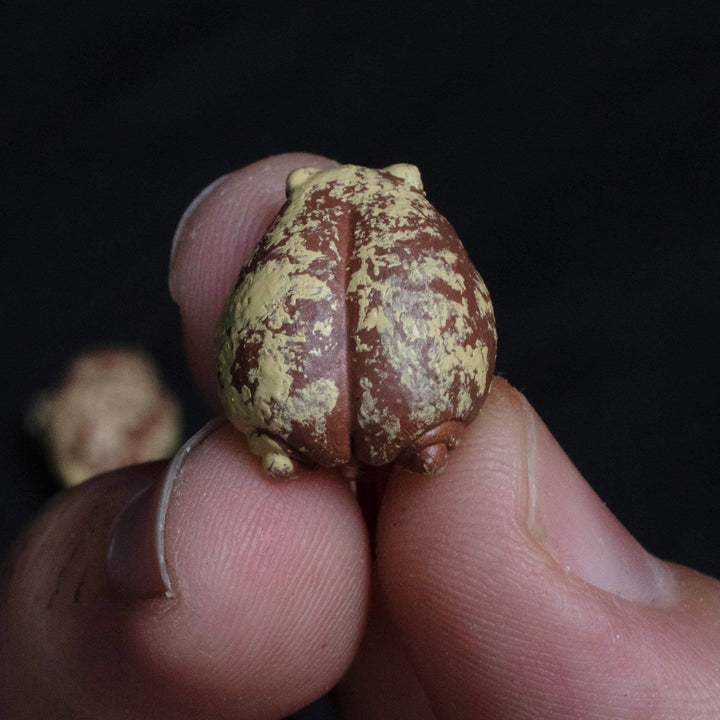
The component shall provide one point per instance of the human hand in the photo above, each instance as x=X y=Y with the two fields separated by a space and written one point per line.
x=502 y=589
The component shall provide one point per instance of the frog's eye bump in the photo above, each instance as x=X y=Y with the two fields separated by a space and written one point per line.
x=409 y=173
x=297 y=178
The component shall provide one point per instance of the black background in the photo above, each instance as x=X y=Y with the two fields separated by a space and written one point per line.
x=575 y=148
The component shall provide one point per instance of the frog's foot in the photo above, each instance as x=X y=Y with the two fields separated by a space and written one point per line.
x=428 y=454
x=275 y=455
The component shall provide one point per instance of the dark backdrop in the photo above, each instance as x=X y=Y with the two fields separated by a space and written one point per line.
x=575 y=147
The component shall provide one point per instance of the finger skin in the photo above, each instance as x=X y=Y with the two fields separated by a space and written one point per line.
x=381 y=682
x=271 y=583
x=215 y=237
x=54 y=570
x=495 y=627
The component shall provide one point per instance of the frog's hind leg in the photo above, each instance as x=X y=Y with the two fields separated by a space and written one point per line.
x=428 y=453
x=276 y=456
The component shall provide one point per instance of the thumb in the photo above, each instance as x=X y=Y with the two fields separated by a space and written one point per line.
x=251 y=606
x=518 y=594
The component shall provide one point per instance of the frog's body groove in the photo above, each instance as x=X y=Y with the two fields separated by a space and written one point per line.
x=359 y=332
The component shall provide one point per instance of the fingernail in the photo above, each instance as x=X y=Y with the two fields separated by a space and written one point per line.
x=578 y=530
x=189 y=211
x=136 y=552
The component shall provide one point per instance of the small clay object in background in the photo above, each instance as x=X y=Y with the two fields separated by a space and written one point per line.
x=110 y=410
x=359 y=332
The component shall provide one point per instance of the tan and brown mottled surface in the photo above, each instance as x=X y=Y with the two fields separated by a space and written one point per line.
x=359 y=328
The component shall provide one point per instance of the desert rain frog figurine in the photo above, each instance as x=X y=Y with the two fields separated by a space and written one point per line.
x=359 y=333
